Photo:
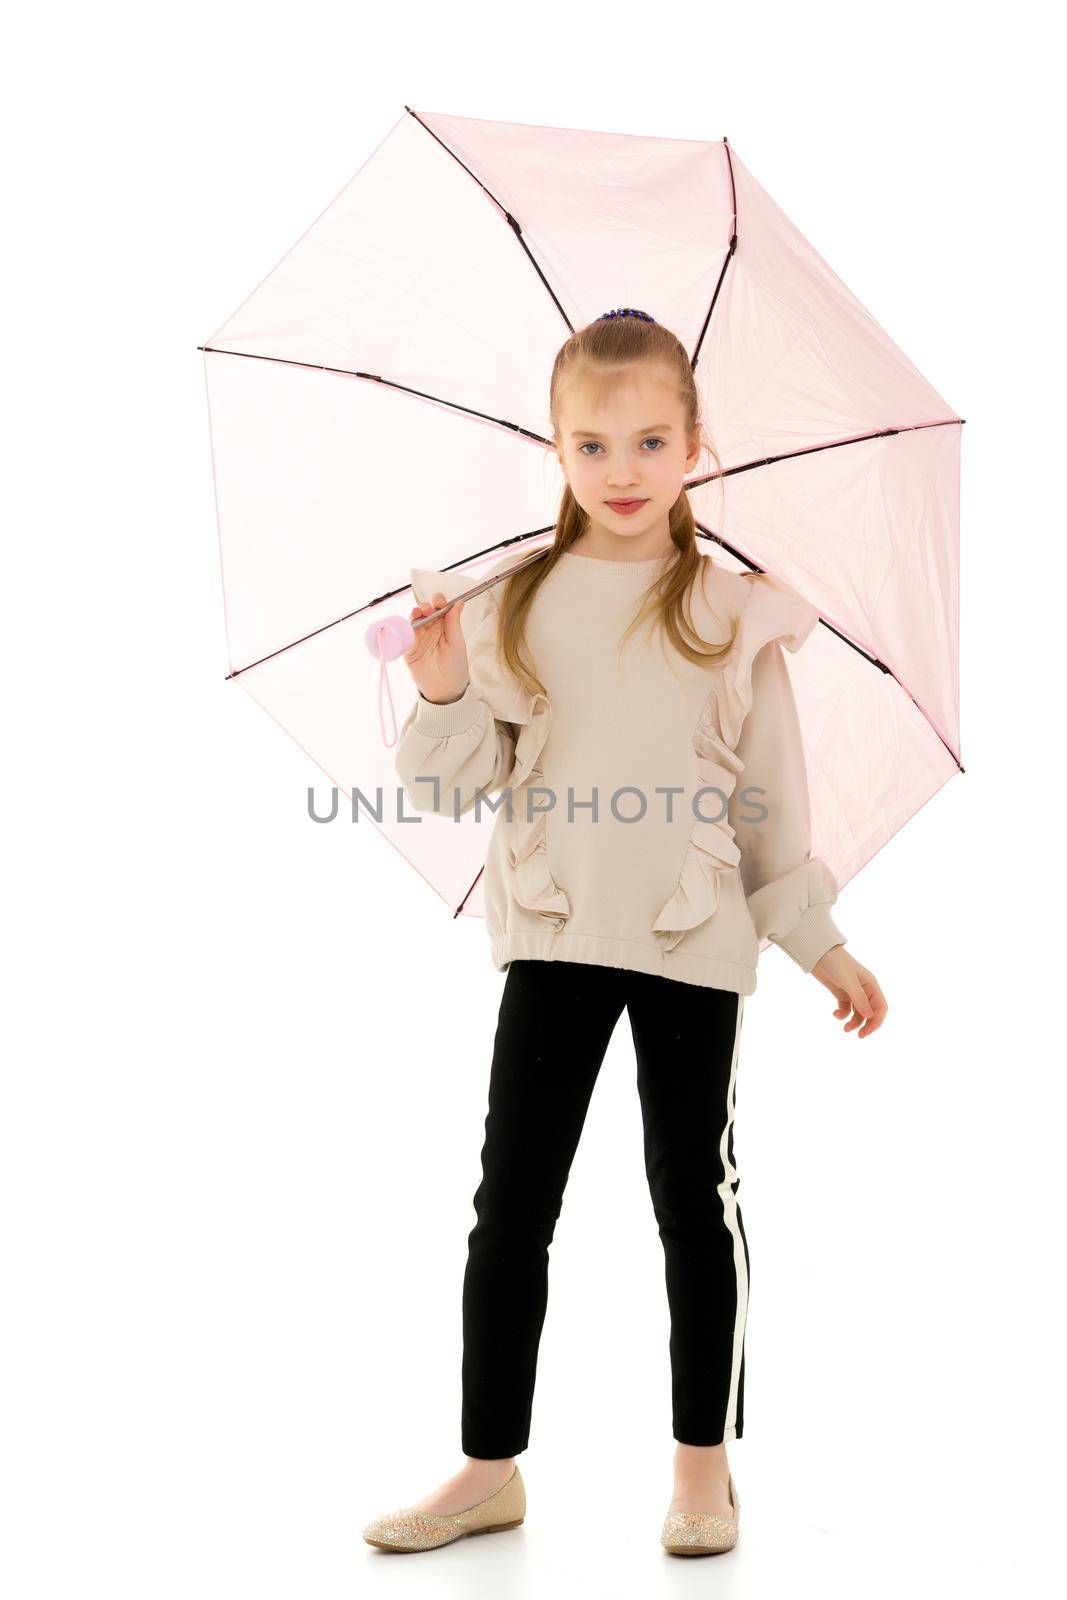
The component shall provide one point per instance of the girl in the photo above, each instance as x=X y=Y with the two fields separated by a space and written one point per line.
x=619 y=888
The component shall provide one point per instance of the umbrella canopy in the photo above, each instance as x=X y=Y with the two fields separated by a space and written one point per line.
x=378 y=408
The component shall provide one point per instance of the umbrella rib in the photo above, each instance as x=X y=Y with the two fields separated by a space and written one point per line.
x=387 y=383
x=512 y=222
x=875 y=661
x=468 y=894
x=516 y=538
x=729 y=256
x=813 y=449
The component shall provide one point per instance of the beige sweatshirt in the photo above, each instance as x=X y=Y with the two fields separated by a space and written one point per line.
x=659 y=815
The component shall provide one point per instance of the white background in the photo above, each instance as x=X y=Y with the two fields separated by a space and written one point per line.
x=246 y=1057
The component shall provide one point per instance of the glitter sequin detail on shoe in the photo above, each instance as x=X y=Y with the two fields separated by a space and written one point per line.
x=693 y=1533
x=411 y=1529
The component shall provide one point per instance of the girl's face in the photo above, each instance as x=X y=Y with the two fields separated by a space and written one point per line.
x=627 y=443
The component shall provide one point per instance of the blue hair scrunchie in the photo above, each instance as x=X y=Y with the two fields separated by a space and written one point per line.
x=625 y=311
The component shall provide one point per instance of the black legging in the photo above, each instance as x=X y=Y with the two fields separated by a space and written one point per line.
x=556 y=1020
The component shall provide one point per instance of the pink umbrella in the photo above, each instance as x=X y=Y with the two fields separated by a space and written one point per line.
x=381 y=397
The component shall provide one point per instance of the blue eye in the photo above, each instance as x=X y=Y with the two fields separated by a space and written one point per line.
x=649 y=440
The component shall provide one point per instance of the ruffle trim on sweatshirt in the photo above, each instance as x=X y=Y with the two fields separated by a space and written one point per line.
x=530 y=714
x=711 y=851
x=527 y=855
x=508 y=699
x=770 y=611
x=533 y=885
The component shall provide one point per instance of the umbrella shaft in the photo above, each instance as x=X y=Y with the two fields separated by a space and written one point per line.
x=488 y=584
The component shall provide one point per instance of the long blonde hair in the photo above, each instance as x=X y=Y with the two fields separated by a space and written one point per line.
x=599 y=354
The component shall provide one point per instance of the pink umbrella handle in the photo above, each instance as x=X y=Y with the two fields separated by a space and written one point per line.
x=388 y=638
x=400 y=633
x=399 y=636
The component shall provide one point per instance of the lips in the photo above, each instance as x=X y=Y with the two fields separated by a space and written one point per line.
x=624 y=505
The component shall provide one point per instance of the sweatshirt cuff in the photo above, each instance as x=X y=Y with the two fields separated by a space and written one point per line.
x=441 y=721
x=810 y=938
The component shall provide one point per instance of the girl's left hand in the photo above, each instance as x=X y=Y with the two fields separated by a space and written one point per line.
x=855 y=989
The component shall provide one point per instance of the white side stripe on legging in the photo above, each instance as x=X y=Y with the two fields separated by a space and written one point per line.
x=729 y=1205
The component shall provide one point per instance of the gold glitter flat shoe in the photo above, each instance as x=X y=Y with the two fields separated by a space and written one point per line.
x=701 y=1533
x=411 y=1529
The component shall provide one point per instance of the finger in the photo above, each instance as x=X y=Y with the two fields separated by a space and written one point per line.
x=878 y=999
x=879 y=1007
x=861 y=1006
x=429 y=607
x=869 y=1016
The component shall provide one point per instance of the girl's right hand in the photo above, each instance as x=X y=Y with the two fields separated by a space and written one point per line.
x=438 y=658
